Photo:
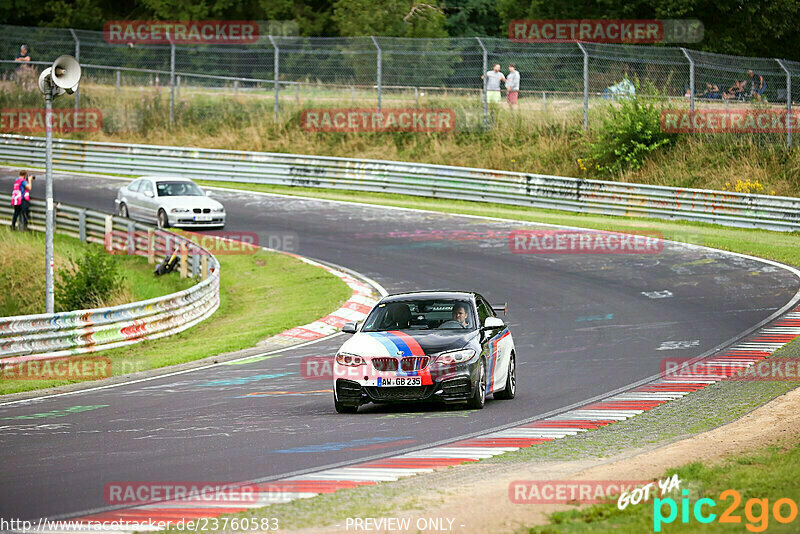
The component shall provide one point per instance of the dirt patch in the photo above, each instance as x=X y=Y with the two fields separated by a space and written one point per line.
x=476 y=497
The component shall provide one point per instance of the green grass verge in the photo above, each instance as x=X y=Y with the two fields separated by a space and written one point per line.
x=22 y=275
x=260 y=295
x=770 y=474
x=778 y=246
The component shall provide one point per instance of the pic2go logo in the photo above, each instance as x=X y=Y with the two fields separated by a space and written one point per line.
x=757 y=522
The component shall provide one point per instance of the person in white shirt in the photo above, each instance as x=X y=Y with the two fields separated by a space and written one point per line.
x=492 y=84
x=512 y=86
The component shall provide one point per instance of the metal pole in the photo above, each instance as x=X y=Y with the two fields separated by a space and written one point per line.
x=380 y=70
x=585 y=86
x=788 y=104
x=691 y=86
x=78 y=59
x=171 y=82
x=276 y=73
x=483 y=73
x=118 y=79
x=49 y=217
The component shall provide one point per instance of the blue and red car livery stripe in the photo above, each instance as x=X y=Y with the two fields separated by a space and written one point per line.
x=493 y=348
x=398 y=343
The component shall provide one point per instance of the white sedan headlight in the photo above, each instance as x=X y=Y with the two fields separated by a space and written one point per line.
x=218 y=210
x=180 y=210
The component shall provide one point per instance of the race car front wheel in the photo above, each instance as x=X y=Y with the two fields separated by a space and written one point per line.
x=478 y=398
x=343 y=408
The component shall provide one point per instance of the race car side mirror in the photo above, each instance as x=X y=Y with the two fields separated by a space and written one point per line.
x=493 y=322
x=349 y=328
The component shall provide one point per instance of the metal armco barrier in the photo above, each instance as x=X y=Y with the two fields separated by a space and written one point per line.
x=438 y=181
x=33 y=337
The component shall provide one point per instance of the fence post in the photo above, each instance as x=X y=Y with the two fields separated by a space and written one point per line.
x=195 y=265
x=276 y=73
x=78 y=59
x=82 y=225
x=178 y=86
x=380 y=70
x=788 y=104
x=297 y=93
x=204 y=267
x=131 y=238
x=585 y=86
x=108 y=238
x=416 y=96
x=544 y=102
x=171 y=81
x=691 y=85
x=483 y=73
x=151 y=246
x=235 y=87
x=184 y=260
x=118 y=79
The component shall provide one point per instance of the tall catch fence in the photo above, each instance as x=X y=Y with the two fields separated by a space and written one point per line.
x=298 y=72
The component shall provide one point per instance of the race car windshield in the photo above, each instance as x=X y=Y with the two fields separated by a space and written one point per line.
x=178 y=189
x=421 y=315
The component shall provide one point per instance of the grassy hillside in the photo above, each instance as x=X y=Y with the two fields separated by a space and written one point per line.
x=22 y=277
x=539 y=138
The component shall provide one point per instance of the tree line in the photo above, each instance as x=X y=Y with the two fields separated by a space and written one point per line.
x=744 y=27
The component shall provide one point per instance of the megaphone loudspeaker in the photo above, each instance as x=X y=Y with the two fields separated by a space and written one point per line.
x=65 y=72
x=44 y=81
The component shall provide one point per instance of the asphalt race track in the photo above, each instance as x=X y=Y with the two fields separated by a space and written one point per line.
x=584 y=324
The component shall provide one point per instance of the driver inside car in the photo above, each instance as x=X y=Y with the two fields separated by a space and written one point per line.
x=460 y=314
x=460 y=317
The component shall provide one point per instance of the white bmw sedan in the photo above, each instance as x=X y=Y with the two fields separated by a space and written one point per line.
x=169 y=202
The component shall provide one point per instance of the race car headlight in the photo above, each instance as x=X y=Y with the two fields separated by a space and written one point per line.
x=344 y=358
x=455 y=356
x=180 y=210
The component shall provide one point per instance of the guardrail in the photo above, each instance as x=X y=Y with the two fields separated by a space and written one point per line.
x=438 y=181
x=44 y=336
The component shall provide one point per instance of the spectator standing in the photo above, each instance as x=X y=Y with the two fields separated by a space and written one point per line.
x=17 y=196
x=512 y=86
x=492 y=81
x=26 y=202
x=759 y=84
x=23 y=56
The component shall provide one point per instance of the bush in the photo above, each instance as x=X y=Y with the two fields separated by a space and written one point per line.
x=628 y=134
x=93 y=279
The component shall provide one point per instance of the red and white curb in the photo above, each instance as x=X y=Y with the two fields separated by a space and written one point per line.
x=589 y=417
x=355 y=308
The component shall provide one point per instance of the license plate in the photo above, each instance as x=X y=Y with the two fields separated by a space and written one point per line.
x=200 y=218
x=400 y=381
